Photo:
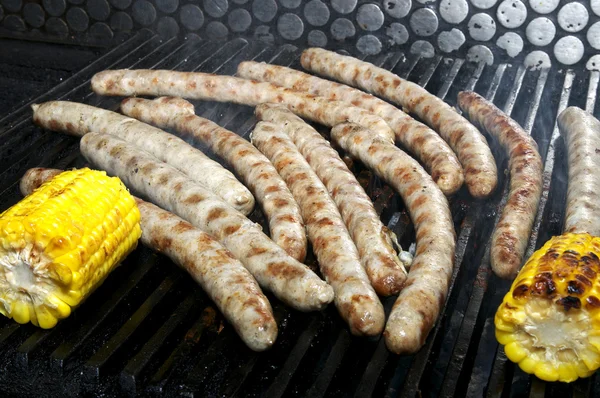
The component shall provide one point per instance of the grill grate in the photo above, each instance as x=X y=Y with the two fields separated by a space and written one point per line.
x=150 y=330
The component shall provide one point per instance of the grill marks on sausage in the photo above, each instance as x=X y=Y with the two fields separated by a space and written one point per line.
x=237 y=90
x=466 y=141
x=417 y=137
x=581 y=132
x=224 y=279
x=509 y=240
x=285 y=223
x=372 y=239
x=425 y=290
x=235 y=231
x=79 y=119
x=336 y=253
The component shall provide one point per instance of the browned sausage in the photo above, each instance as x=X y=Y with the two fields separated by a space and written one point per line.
x=467 y=142
x=205 y=86
x=511 y=235
x=338 y=259
x=426 y=288
x=278 y=204
x=222 y=277
x=419 y=139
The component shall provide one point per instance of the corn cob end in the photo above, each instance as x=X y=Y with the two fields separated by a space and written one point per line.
x=59 y=243
x=549 y=322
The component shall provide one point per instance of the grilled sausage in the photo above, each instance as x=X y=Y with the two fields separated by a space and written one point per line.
x=221 y=276
x=338 y=259
x=291 y=281
x=419 y=139
x=426 y=288
x=466 y=141
x=581 y=132
x=278 y=204
x=78 y=119
x=233 y=89
x=373 y=240
x=509 y=240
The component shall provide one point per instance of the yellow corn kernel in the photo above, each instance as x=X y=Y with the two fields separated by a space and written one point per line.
x=549 y=321
x=59 y=243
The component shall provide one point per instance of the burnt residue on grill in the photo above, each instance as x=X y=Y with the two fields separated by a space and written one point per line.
x=150 y=330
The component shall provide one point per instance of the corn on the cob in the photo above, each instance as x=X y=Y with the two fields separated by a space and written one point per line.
x=549 y=321
x=59 y=243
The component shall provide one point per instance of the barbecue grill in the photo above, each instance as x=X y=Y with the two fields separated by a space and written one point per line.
x=150 y=330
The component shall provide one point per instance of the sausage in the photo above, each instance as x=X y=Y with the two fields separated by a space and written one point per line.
x=355 y=298
x=424 y=293
x=291 y=281
x=510 y=237
x=78 y=119
x=278 y=204
x=373 y=240
x=466 y=141
x=220 y=275
x=210 y=87
x=419 y=139
x=581 y=132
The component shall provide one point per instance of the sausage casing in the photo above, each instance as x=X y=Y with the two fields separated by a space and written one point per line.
x=373 y=240
x=509 y=240
x=467 y=142
x=210 y=87
x=424 y=293
x=221 y=276
x=419 y=139
x=291 y=281
x=338 y=259
x=78 y=119
x=257 y=172
x=581 y=132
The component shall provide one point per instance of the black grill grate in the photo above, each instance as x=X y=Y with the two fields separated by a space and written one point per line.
x=150 y=330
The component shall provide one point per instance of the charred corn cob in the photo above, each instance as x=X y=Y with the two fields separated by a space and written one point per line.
x=59 y=243
x=549 y=321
